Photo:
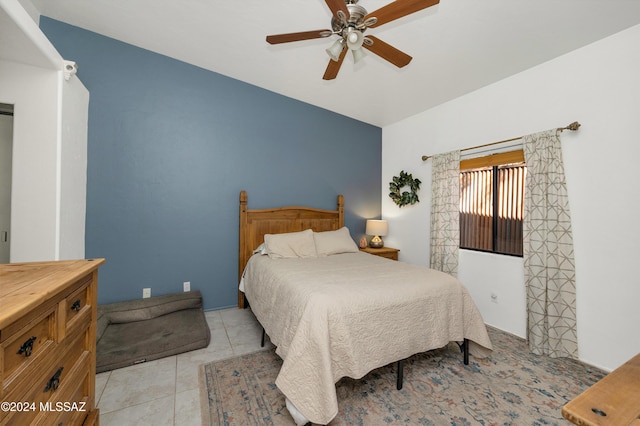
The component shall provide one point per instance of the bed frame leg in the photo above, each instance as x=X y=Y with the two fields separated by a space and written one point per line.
x=464 y=348
x=465 y=351
x=400 y=374
x=262 y=341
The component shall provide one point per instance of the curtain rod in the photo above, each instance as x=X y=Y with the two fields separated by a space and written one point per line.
x=573 y=126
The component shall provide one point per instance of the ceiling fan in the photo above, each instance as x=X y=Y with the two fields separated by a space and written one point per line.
x=349 y=22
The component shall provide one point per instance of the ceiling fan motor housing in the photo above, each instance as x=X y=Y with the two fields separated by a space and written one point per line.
x=356 y=19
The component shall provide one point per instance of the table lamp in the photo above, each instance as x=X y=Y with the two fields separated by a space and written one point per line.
x=377 y=228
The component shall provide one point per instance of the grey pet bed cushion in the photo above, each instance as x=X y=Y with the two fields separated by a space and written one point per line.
x=142 y=330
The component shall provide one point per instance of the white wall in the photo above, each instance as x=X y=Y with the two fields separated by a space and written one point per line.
x=34 y=93
x=48 y=191
x=49 y=162
x=598 y=86
x=73 y=168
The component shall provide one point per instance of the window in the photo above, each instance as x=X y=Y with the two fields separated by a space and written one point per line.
x=492 y=203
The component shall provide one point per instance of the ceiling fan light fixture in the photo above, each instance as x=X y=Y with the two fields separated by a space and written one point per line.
x=354 y=38
x=349 y=22
x=358 y=54
x=335 y=50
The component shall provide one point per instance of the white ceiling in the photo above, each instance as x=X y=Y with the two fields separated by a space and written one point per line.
x=21 y=41
x=457 y=46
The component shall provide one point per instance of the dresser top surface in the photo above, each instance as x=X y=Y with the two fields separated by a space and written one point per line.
x=25 y=285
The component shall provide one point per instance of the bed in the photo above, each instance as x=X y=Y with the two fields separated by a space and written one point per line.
x=333 y=311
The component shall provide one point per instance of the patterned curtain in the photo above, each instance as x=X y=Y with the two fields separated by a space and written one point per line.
x=445 y=212
x=548 y=250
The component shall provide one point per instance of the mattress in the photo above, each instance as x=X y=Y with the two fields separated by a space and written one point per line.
x=346 y=314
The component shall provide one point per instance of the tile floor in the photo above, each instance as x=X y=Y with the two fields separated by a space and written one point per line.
x=166 y=391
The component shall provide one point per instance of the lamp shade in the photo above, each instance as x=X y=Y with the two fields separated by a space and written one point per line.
x=377 y=227
x=357 y=55
x=335 y=50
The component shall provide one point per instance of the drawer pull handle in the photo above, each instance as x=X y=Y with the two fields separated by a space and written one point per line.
x=599 y=412
x=27 y=347
x=76 y=306
x=54 y=381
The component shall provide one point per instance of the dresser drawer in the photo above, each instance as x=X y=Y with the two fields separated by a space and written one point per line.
x=77 y=302
x=22 y=351
x=72 y=402
x=48 y=309
x=48 y=387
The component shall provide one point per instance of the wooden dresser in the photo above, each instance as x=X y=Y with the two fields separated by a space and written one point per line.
x=48 y=342
x=613 y=401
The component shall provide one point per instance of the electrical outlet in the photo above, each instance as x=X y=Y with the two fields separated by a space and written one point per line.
x=146 y=292
x=186 y=285
x=494 y=297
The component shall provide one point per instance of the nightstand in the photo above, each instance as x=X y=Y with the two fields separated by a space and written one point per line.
x=388 y=252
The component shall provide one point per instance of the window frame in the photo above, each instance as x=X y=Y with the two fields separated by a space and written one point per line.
x=492 y=161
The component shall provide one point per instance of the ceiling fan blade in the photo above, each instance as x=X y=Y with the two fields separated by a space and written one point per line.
x=334 y=66
x=398 y=9
x=338 y=6
x=305 y=35
x=386 y=51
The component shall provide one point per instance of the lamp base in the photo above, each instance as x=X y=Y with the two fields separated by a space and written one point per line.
x=376 y=242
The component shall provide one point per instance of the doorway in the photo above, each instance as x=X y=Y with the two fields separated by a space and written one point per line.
x=6 y=157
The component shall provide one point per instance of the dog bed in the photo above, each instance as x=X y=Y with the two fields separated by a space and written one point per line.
x=142 y=330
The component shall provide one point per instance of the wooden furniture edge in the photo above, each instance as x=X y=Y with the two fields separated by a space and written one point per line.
x=613 y=400
x=387 y=252
x=47 y=286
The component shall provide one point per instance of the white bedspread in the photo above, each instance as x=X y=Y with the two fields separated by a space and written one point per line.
x=347 y=314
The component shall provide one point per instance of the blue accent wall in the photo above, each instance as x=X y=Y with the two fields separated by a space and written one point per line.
x=170 y=147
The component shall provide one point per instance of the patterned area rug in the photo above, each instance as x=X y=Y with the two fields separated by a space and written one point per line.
x=510 y=387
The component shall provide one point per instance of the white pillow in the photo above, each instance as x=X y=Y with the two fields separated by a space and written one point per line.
x=334 y=242
x=262 y=249
x=292 y=244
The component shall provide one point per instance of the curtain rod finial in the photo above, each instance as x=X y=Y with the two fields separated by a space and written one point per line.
x=425 y=157
x=573 y=126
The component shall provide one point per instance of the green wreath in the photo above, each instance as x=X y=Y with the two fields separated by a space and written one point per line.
x=398 y=183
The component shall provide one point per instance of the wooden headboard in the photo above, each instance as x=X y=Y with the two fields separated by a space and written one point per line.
x=254 y=224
